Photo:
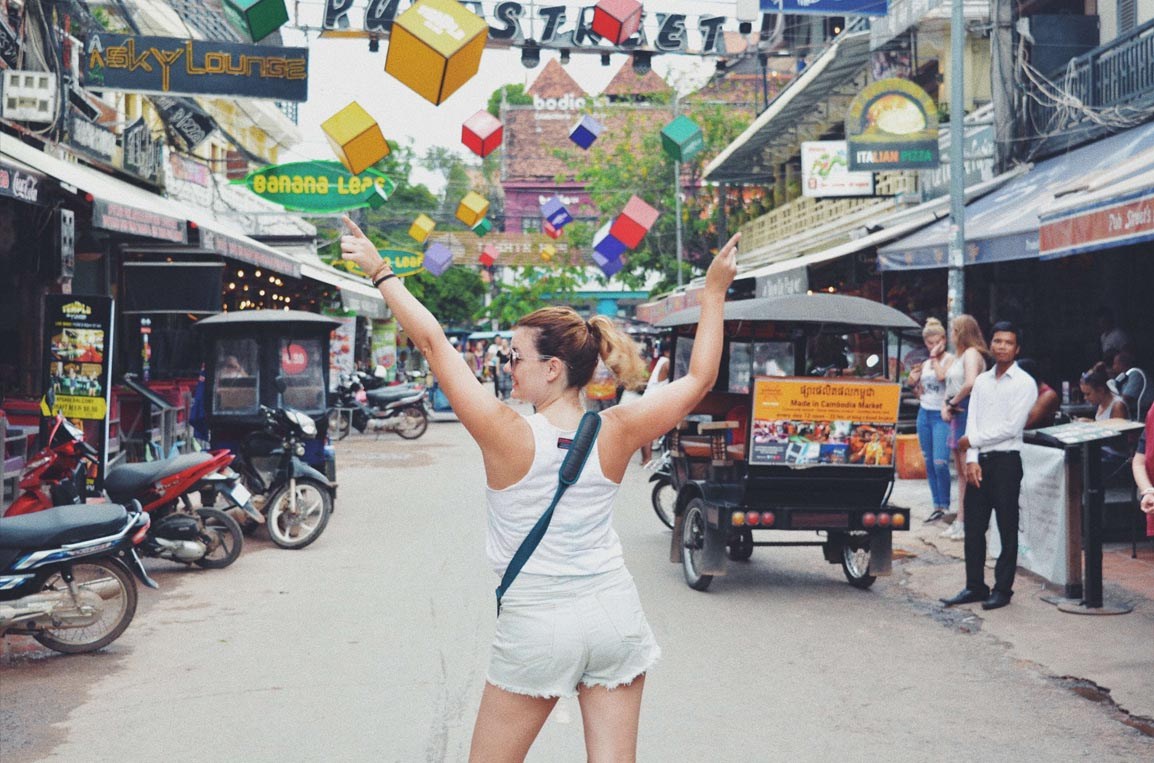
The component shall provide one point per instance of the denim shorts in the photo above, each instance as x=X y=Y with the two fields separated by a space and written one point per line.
x=557 y=632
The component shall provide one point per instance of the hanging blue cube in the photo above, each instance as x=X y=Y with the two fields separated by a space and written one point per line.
x=555 y=213
x=586 y=131
x=606 y=245
x=608 y=265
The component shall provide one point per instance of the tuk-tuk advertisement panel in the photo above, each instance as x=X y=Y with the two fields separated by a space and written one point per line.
x=826 y=421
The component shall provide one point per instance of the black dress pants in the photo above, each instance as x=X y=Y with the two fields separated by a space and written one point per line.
x=1001 y=483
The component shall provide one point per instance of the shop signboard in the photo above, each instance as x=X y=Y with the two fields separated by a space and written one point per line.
x=825 y=171
x=342 y=345
x=138 y=222
x=90 y=138
x=892 y=124
x=385 y=346
x=806 y=421
x=78 y=362
x=404 y=262
x=17 y=183
x=143 y=154
x=188 y=123
x=320 y=187
x=827 y=7
x=9 y=43
x=1119 y=220
x=172 y=65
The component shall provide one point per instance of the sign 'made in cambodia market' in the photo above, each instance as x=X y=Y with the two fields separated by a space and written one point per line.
x=320 y=187
x=892 y=125
x=170 y=65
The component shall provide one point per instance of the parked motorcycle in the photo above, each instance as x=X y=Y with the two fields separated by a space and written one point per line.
x=664 y=495
x=296 y=498
x=207 y=537
x=347 y=407
x=400 y=408
x=66 y=574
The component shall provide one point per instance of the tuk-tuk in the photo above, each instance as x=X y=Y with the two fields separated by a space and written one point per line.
x=797 y=435
x=246 y=352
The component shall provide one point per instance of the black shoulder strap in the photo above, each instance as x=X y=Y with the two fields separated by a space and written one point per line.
x=571 y=468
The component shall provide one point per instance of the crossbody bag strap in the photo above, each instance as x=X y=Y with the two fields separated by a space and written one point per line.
x=571 y=468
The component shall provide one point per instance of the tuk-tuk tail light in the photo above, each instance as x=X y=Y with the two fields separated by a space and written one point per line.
x=899 y=521
x=869 y=519
x=884 y=520
x=768 y=519
x=738 y=519
x=752 y=518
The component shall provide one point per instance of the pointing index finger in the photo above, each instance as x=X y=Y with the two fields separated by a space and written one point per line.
x=353 y=228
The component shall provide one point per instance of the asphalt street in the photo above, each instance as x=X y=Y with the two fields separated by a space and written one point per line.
x=372 y=644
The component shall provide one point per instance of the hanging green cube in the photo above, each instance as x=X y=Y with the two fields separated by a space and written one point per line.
x=256 y=18
x=484 y=227
x=682 y=139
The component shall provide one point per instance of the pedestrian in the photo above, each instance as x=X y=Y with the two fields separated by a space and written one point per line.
x=504 y=381
x=571 y=623
x=658 y=378
x=929 y=381
x=1143 y=469
x=999 y=404
x=971 y=353
x=1131 y=384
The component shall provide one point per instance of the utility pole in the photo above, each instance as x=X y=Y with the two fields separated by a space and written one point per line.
x=677 y=197
x=956 y=285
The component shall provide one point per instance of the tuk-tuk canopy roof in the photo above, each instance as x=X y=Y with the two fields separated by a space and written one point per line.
x=804 y=308
x=267 y=318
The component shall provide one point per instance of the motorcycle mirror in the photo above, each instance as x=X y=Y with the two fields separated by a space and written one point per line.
x=281 y=385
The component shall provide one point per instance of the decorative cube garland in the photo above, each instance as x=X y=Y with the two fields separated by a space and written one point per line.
x=606 y=245
x=616 y=20
x=472 y=208
x=421 y=228
x=438 y=258
x=435 y=47
x=482 y=133
x=609 y=265
x=555 y=213
x=355 y=138
x=681 y=139
x=548 y=229
x=484 y=227
x=633 y=223
x=256 y=18
x=586 y=131
x=547 y=252
x=488 y=255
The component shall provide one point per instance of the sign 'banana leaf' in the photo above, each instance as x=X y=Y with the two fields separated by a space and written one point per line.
x=321 y=187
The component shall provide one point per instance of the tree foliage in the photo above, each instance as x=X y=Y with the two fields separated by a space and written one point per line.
x=514 y=96
x=532 y=288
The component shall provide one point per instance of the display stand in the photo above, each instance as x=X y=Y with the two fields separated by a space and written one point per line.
x=1088 y=437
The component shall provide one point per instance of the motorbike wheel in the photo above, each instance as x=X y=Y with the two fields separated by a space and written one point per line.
x=855 y=563
x=113 y=583
x=663 y=498
x=414 y=421
x=338 y=424
x=224 y=539
x=314 y=503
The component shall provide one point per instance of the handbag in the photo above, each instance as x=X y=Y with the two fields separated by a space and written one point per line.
x=571 y=468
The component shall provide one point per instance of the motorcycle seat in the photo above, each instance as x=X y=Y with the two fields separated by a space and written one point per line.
x=61 y=525
x=390 y=394
x=127 y=482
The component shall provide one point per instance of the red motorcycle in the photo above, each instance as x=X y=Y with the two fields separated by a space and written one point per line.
x=207 y=537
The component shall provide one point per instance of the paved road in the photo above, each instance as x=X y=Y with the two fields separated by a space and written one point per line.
x=372 y=645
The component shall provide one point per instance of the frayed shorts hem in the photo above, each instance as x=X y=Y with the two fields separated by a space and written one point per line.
x=590 y=683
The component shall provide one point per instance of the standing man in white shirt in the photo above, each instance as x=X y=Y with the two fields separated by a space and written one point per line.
x=999 y=406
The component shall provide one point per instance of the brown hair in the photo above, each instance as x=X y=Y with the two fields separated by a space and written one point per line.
x=1097 y=376
x=562 y=333
x=969 y=334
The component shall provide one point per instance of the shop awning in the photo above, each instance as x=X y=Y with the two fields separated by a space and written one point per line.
x=356 y=295
x=224 y=239
x=1119 y=212
x=117 y=205
x=799 y=112
x=1005 y=224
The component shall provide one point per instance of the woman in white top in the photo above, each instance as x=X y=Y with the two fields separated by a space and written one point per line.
x=658 y=378
x=929 y=379
x=971 y=351
x=571 y=623
x=1109 y=406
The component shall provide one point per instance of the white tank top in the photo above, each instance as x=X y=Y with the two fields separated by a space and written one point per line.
x=933 y=389
x=580 y=539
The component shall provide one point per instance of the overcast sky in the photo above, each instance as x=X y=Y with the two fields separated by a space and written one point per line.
x=343 y=70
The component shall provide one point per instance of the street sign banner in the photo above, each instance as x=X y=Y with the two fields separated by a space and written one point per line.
x=322 y=187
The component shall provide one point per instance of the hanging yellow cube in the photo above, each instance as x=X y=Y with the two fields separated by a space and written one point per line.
x=547 y=252
x=435 y=47
x=472 y=208
x=355 y=138
x=421 y=228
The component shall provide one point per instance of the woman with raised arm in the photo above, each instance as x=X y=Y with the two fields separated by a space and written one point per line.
x=571 y=624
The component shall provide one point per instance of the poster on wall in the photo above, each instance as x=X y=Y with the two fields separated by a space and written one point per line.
x=385 y=346
x=802 y=422
x=342 y=345
x=825 y=171
x=78 y=360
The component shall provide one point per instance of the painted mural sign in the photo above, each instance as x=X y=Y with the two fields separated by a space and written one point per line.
x=825 y=171
x=321 y=187
x=892 y=124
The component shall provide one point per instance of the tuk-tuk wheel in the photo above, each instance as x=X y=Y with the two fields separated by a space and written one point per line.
x=693 y=545
x=741 y=545
x=855 y=562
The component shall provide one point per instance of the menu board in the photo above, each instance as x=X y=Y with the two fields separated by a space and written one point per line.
x=803 y=422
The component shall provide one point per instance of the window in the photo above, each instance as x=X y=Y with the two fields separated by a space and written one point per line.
x=1127 y=16
x=236 y=374
x=301 y=369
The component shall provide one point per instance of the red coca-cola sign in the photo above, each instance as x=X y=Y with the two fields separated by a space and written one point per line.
x=294 y=359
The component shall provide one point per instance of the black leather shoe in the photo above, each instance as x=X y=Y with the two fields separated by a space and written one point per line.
x=997 y=600
x=966 y=596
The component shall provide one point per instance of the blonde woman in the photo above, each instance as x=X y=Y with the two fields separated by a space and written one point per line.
x=971 y=352
x=929 y=380
x=571 y=623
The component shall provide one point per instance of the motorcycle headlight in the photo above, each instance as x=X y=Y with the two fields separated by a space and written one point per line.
x=300 y=449
x=307 y=425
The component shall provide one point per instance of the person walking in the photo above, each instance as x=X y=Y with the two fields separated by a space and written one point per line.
x=970 y=352
x=658 y=378
x=929 y=380
x=571 y=623
x=1000 y=402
